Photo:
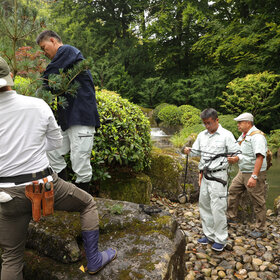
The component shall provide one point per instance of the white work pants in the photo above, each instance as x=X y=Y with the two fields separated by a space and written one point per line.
x=78 y=140
x=213 y=207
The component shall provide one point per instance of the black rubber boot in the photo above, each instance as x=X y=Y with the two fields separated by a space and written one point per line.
x=63 y=174
x=96 y=260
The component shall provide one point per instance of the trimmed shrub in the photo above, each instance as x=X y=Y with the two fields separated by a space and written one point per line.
x=190 y=115
x=123 y=139
x=170 y=115
x=157 y=110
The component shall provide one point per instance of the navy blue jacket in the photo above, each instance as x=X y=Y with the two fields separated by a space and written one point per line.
x=82 y=109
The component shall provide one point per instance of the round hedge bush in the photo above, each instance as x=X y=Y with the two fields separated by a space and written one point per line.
x=190 y=115
x=157 y=110
x=170 y=115
x=123 y=139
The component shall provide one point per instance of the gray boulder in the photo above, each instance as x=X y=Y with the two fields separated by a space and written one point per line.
x=150 y=246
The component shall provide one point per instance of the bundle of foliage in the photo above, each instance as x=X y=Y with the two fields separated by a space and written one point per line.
x=228 y=122
x=258 y=94
x=62 y=83
x=170 y=115
x=29 y=61
x=273 y=140
x=190 y=115
x=123 y=139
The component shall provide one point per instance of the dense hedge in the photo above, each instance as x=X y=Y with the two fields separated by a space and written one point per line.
x=170 y=115
x=123 y=139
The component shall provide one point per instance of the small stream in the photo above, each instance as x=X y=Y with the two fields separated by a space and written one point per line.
x=161 y=140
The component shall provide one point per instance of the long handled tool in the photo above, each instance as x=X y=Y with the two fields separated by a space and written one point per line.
x=183 y=198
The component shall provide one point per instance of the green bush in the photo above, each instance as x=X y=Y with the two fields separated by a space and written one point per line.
x=190 y=115
x=179 y=139
x=228 y=122
x=157 y=110
x=170 y=115
x=22 y=85
x=258 y=94
x=273 y=140
x=123 y=139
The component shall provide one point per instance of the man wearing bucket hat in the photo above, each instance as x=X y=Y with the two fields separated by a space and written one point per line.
x=252 y=173
x=27 y=130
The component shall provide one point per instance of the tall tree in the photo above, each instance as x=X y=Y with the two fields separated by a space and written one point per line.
x=18 y=23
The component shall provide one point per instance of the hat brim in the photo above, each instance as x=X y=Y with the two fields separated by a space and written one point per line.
x=6 y=81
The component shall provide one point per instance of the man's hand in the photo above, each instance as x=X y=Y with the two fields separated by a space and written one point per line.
x=200 y=178
x=233 y=160
x=187 y=150
x=251 y=183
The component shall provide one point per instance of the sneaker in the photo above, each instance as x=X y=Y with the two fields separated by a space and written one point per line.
x=257 y=234
x=203 y=240
x=231 y=222
x=218 y=247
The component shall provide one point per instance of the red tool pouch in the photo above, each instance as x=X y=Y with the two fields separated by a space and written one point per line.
x=33 y=192
x=48 y=198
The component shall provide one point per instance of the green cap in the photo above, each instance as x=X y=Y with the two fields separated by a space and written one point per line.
x=5 y=77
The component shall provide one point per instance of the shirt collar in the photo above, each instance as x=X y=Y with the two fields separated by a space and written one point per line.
x=253 y=128
x=218 y=131
x=7 y=95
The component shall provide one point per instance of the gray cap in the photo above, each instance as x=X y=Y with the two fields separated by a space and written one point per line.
x=245 y=117
x=5 y=77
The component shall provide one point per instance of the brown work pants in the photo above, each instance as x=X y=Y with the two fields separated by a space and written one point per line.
x=16 y=214
x=256 y=194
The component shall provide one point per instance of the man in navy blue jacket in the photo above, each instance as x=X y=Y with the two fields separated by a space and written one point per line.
x=80 y=117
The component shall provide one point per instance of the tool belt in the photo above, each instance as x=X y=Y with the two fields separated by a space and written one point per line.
x=20 y=179
x=207 y=174
x=41 y=196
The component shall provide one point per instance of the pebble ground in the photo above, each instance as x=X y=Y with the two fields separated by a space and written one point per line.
x=243 y=257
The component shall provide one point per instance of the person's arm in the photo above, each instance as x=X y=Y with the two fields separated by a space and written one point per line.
x=53 y=132
x=258 y=164
x=233 y=147
x=53 y=136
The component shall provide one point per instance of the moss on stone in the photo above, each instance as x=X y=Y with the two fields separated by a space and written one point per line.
x=165 y=173
x=127 y=187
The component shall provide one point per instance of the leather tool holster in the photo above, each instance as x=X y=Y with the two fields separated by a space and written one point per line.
x=48 y=198
x=34 y=193
x=41 y=196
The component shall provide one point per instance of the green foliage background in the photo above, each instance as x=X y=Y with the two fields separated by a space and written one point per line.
x=222 y=54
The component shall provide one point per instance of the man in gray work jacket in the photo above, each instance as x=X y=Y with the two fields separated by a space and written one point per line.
x=209 y=144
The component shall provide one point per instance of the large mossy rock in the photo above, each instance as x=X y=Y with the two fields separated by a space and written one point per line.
x=149 y=246
x=133 y=187
x=167 y=175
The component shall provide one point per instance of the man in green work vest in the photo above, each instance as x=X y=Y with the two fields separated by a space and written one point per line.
x=252 y=173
